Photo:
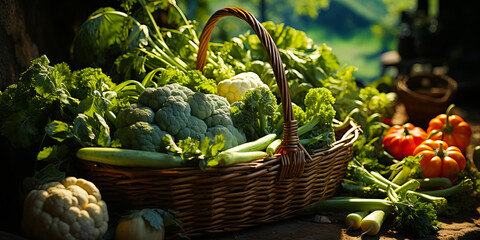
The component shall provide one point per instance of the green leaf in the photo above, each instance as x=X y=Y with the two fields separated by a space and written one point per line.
x=83 y=129
x=103 y=131
x=157 y=218
x=45 y=153
x=327 y=59
x=58 y=130
x=217 y=146
x=153 y=217
x=138 y=37
x=100 y=39
x=55 y=153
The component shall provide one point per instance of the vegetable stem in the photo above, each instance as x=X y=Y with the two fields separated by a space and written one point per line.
x=272 y=147
x=349 y=204
x=228 y=158
x=372 y=223
x=129 y=157
x=353 y=220
x=442 y=182
x=462 y=186
x=256 y=145
x=402 y=176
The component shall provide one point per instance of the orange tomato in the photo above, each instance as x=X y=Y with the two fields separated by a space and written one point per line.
x=439 y=159
x=400 y=141
x=452 y=130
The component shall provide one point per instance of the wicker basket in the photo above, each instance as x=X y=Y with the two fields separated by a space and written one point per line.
x=425 y=95
x=241 y=195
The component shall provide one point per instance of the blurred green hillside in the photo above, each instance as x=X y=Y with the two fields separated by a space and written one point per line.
x=358 y=31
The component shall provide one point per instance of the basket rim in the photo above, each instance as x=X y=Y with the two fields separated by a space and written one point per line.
x=347 y=139
x=402 y=86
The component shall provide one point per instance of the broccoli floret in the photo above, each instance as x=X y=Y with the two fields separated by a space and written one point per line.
x=319 y=113
x=202 y=106
x=196 y=129
x=231 y=135
x=156 y=97
x=254 y=112
x=299 y=114
x=133 y=113
x=220 y=117
x=221 y=111
x=141 y=136
x=173 y=115
x=219 y=103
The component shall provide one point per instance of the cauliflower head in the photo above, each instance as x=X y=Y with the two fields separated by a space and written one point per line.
x=70 y=209
x=234 y=88
x=179 y=112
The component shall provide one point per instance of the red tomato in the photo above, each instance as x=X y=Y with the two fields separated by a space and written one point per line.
x=400 y=141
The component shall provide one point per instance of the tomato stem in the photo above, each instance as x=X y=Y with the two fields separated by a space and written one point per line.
x=448 y=128
x=440 y=151
x=406 y=132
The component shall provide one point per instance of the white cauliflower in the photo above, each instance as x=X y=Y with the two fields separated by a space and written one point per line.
x=71 y=209
x=234 y=88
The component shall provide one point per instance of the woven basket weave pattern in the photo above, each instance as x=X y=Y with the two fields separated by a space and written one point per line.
x=241 y=195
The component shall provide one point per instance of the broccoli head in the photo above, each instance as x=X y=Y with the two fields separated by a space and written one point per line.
x=141 y=136
x=231 y=135
x=319 y=114
x=133 y=113
x=173 y=115
x=196 y=129
x=255 y=111
x=201 y=105
x=181 y=113
x=156 y=97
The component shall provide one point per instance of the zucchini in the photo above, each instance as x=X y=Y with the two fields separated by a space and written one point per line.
x=256 y=145
x=227 y=158
x=436 y=182
x=272 y=147
x=129 y=157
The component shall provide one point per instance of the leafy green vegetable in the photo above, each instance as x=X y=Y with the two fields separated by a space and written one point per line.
x=195 y=152
x=254 y=113
x=415 y=212
x=415 y=217
x=409 y=167
x=319 y=113
x=192 y=79
x=57 y=110
x=128 y=45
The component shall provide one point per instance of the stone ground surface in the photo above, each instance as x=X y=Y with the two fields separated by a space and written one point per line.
x=466 y=225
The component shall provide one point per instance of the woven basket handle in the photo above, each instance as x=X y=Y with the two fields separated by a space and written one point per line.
x=292 y=152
